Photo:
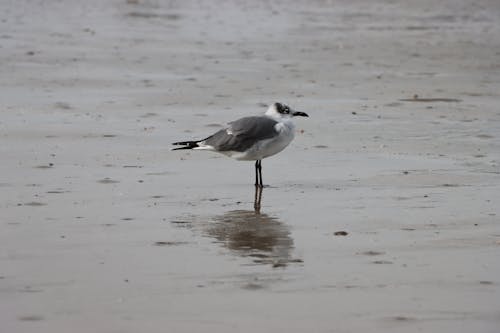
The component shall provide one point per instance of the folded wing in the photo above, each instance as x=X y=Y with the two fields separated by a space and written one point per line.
x=242 y=134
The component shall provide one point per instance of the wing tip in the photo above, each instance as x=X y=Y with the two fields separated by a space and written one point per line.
x=186 y=144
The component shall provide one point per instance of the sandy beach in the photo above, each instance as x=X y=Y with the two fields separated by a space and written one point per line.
x=383 y=215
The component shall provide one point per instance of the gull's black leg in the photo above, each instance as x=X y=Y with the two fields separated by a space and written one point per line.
x=260 y=174
x=257 y=173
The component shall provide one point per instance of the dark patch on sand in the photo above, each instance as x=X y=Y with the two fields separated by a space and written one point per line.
x=45 y=166
x=107 y=181
x=35 y=204
x=169 y=243
x=382 y=262
x=145 y=15
x=372 y=253
x=431 y=100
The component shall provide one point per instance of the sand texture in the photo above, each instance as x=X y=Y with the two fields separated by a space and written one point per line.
x=383 y=215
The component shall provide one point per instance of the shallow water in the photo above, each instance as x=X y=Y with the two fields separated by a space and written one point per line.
x=382 y=215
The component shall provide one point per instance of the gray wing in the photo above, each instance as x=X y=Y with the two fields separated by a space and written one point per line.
x=242 y=134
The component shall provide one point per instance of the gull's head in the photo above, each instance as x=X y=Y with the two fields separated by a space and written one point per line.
x=280 y=111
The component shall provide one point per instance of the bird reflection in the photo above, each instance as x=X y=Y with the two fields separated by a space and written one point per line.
x=254 y=234
x=257 y=199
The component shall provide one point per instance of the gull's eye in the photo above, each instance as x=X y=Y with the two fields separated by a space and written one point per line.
x=282 y=108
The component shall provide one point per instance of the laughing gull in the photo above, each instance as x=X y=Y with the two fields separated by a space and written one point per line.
x=252 y=138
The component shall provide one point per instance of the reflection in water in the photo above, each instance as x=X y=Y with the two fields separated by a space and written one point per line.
x=257 y=198
x=250 y=233
x=254 y=234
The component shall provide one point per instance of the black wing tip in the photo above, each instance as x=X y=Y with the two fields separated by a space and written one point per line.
x=183 y=148
x=186 y=144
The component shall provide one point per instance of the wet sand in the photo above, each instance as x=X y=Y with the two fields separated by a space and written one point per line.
x=381 y=216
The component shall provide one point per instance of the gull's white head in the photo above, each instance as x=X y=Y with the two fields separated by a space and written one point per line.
x=280 y=111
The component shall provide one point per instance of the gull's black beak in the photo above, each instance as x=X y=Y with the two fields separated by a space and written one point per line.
x=298 y=113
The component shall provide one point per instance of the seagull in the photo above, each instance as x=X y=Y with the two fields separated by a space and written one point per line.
x=252 y=138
